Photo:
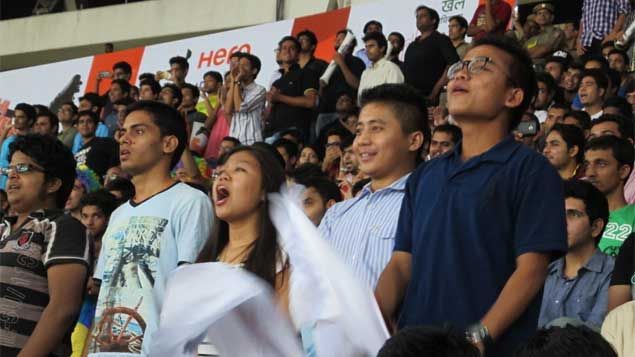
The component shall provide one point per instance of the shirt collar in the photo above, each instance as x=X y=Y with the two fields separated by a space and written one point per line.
x=500 y=153
x=293 y=67
x=378 y=63
x=594 y=264
x=398 y=185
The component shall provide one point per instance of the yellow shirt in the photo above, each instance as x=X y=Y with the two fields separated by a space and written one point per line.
x=213 y=101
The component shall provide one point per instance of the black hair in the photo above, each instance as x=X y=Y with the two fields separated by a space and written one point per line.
x=124 y=101
x=94 y=99
x=53 y=119
x=272 y=150
x=232 y=139
x=597 y=207
x=176 y=92
x=520 y=70
x=566 y=341
x=347 y=141
x=265 y=252
x=236 y=54
x=55 y=158
x=292 y=39
x=297 y=134
x=72 y=105
x=93 y=116
x=345 y=31
x=372 y=22
x=428 y=341
x=407 y=105
x=169 y=122
x=144 y=76
x=461 y=20
x=608 y=44
x=28 y=110
x=102 y=199
x=572 y=136
x=255 y=62
x=621 y=104
x=432 y=12
x=359 y=185
x=379 y=38
x=327 y=189
x=304 y=171
x=289 y=146
x=453 y=130
x=181 y=61
x=548 y=80
x=195 y=91
x=310 y=35
x=624 y=124
x=40 y=108
x=402 y=40
x=124 y=66
x=153 y=84
x=123 y=84
x=621 y=53
x=583 y=118
x=598 y=58
x=315 y=149
x=621 y=149
x=122 y=185
x=217 y=76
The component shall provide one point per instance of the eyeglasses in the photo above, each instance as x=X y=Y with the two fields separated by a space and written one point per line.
x=474 y=66
x=20 y=169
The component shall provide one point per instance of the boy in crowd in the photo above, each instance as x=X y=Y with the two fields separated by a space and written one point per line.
x=577 y=284
x=564 y=148
x=390 y=134
x=609 y=162
x=592 y=91
x=44 y=255
x=444 y=138
x=319 y=195
x=150 y=235
x=471 y=214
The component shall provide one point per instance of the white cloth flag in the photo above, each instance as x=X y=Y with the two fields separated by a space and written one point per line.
x=232 y=307
x=324 y=292
x=336 y=313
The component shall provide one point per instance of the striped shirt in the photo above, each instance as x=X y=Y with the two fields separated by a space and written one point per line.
x=599 y=16
x=362 y=229
x=246 y=123
x=46 y=239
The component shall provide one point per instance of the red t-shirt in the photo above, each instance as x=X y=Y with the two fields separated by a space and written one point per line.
x=502 y=12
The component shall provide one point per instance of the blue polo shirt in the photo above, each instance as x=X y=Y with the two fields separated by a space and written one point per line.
x=465 y=223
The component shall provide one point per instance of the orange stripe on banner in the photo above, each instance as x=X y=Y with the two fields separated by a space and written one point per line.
x=325 y=27
x=104 y=62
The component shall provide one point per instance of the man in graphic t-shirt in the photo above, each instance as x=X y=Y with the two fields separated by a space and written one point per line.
x=147 y=237
x=609 y=162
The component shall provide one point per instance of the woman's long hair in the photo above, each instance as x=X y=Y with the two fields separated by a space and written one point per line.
x=265 y=253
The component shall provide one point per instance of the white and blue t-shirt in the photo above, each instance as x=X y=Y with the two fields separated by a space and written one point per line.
x=144 y=242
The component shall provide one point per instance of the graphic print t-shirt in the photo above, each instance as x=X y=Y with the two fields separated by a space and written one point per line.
x=620 y=226
x=143 y=243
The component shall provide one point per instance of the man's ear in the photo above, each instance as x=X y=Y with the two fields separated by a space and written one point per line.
x=514 y=98
x=53 y=185
x=170 y=143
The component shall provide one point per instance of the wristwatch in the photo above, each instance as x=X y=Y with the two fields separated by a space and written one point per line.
x=478 y=333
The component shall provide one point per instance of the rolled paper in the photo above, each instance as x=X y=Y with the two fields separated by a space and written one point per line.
x=348 y=40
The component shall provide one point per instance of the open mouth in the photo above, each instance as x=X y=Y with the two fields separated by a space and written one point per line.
x=222 y=195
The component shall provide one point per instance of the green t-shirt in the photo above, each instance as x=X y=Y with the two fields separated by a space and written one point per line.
x=620 y=225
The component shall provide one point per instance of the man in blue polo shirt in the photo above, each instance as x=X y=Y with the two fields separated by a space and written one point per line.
x=479 y=225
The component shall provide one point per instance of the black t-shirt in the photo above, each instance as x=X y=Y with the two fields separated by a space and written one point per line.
x=426 y=60
x=317 y=65
x=624 y=269
x=99 y=155
x=337 y=84
x=295 y=83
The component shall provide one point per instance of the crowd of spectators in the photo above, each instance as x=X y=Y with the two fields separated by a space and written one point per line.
x=481 y=184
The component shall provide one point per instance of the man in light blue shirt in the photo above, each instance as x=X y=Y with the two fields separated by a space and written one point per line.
x=389 y=136
x=577 y=284
x=90 y=101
